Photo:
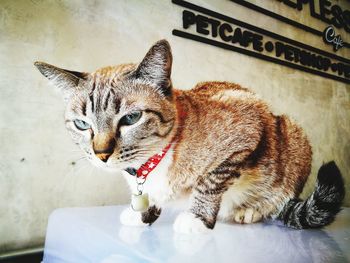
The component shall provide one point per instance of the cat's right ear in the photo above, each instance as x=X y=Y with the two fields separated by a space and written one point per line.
x=66 y=80
x=155 y=68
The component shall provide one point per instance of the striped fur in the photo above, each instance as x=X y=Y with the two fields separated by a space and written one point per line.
x=321 y=206
x=231 y=157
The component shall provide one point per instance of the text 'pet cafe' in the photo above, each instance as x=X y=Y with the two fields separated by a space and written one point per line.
x=209 y=27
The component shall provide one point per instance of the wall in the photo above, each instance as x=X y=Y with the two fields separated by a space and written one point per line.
x=41 y=169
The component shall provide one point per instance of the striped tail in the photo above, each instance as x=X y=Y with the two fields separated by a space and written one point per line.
x=321 y=207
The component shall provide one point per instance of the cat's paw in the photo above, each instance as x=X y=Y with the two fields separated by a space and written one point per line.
x=130 y=217
x=247 y=216
x=188 y=223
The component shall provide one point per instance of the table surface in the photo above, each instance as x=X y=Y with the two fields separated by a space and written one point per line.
x=94 y=234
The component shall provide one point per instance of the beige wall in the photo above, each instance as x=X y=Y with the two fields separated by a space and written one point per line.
x=37 y=171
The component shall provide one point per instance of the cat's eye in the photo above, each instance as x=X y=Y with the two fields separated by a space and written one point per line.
x=81 y=125
x=131 y=118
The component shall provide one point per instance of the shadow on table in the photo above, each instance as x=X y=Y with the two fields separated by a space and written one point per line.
x=228 y=243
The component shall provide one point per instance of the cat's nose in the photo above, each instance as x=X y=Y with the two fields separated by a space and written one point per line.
x=103 y=145
x=103 y=156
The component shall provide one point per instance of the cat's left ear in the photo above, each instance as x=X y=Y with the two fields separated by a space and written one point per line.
x=155 y=68
x=66 y=81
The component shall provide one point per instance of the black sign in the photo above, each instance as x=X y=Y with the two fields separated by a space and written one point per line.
x=323 y=10
x=328 y=13
x=209 y=27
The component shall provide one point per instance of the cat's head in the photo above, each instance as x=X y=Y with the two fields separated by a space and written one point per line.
x=121 y=115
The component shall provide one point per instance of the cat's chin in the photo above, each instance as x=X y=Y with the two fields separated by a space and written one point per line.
x=106 y=167
x=110 y=169
x=114 y=167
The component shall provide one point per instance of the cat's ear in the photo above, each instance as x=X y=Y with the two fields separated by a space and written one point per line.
x=155 y=68
x=66 y=80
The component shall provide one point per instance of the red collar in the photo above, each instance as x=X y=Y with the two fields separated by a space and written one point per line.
x=151 y=164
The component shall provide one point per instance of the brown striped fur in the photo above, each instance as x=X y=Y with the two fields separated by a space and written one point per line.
x=266 y=156
x=233 y=156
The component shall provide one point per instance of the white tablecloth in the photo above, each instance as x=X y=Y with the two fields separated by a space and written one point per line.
x=95 y=234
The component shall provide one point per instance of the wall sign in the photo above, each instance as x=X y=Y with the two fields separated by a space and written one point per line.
x=328 y=13
x=329 y=37
x=209 y=27
x=323 y=10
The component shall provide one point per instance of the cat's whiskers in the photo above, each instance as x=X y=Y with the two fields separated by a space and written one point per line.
x=75 y=150
x=81 y=159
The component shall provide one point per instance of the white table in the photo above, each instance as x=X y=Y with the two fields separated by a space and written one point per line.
x=94 y=234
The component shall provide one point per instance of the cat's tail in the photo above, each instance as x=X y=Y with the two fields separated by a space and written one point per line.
x=321 y=207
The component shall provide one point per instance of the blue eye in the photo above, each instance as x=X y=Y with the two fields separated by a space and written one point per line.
x=131 y=118
x=81 y=125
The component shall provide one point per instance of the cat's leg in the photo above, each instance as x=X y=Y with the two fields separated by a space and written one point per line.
x=151 y=215
x=246 y=215
x=205 y=203
x=129 y=217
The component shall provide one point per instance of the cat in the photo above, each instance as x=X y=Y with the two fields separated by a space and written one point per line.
x=227 y=153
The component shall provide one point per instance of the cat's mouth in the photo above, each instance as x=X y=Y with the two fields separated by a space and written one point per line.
x=111 y=165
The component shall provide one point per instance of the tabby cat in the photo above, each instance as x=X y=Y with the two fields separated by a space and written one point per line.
x=228 y=154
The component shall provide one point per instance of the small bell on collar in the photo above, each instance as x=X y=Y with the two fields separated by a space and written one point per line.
x=140 y=202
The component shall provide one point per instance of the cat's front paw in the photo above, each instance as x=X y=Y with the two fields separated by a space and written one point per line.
x=130 y=217
x=247 y=216
x=188 y=223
